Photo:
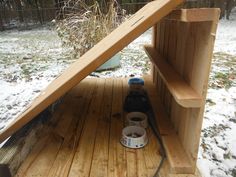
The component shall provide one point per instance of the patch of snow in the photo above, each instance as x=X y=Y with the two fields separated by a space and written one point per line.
x=218 y=144
x=226 y=35
x=217 y=152
x=29 y=61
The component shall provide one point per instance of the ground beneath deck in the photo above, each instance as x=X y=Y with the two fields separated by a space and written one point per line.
x=85 y=141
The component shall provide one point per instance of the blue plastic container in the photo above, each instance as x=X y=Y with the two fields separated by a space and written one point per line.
x=136 y=84
x=136 y=81
x=113 y=63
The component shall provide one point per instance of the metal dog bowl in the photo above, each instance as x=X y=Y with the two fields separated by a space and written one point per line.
x=137 y=118
x=134 y=137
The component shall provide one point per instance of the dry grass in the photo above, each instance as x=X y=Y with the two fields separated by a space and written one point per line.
x=83 y=25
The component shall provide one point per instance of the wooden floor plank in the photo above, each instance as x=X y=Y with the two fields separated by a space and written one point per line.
x=31 y=157
x=83 y=157
x=40 y=146
x=151 y=154
x=141 y=165
x=131 y=155
x=99 y=166
x=91 y=145
x=131 y=160
x=117 y=155
x=74 y=98
x=136 y=165
x=43 y=162
x=65 y=156
x=152 y=150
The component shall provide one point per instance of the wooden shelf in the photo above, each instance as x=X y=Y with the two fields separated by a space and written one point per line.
x=184 y=95
x=194 y=15
x=176 y=155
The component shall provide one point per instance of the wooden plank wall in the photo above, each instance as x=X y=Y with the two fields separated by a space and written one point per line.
x=187 y=47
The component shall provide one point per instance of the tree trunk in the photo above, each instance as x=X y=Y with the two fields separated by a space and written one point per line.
x=19 y=10
x=1 y=18
x=1 y=22
x=41 y=3
x=220 y=4
x=38 y=12
x=59 y=4
x=229 y=7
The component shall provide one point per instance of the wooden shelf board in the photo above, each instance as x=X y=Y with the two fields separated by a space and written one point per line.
x=176 y=155
x=195 y=15
x=184 y=95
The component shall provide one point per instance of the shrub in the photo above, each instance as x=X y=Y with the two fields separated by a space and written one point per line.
x=85 y=25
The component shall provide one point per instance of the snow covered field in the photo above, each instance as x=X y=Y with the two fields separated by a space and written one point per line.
x=217 y=155
x=30 y=60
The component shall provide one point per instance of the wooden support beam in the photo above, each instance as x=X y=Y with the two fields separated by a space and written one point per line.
x=184 y=95
x=195 y=15
x=177 y=157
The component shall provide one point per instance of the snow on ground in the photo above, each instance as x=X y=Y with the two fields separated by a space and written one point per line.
x=226 y=35
x=217 y=153
x=30 y=60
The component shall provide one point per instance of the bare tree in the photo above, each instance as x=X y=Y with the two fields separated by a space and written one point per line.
x=229 y=6
x=1 y=18
x=19 y=10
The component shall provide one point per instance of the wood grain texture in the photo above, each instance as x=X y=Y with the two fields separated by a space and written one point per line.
x=44 y=160
x=32 y=156
x=190 y=46
x=91 y=144
x=117 y=165
x=176 y=155
x=99 y=165
x=195 y=15
x=151 y=154
x=63 y=161
x=180 y=90
x=84 y=152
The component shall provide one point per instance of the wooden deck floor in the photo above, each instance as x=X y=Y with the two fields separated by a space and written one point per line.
x=86 y=139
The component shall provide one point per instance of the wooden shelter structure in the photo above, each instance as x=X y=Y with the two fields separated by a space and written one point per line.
x=85 y=138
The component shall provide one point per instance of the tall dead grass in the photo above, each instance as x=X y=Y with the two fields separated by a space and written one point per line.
x=83 y=25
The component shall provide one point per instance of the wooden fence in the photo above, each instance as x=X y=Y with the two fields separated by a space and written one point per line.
x=11 y=18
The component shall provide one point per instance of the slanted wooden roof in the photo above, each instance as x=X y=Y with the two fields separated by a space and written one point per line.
x=99 y=54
